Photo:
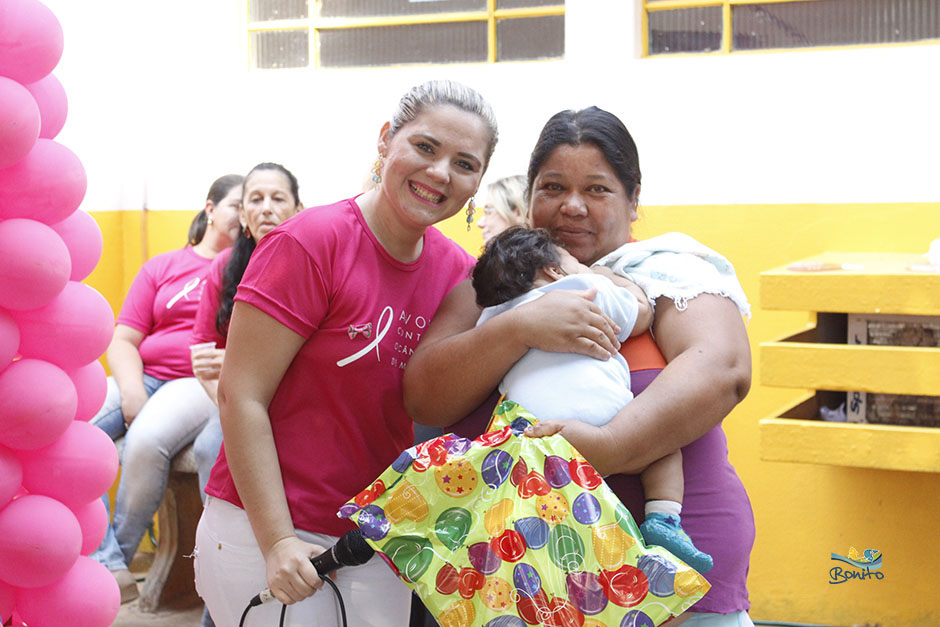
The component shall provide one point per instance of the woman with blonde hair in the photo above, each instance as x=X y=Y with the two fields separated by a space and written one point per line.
x=505 y=206
x=325 y=319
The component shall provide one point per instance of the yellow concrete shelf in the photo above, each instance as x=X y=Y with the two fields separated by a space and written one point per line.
x=819 y=358
x=798 y=439
x=873 y=283
x=885 y=369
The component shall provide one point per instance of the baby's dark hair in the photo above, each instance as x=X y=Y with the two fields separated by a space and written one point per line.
x=507 y=267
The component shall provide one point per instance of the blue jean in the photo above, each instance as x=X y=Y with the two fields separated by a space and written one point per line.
x=170 y=419
x=206 y=448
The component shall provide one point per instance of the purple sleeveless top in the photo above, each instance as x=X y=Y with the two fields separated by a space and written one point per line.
x=716 y=512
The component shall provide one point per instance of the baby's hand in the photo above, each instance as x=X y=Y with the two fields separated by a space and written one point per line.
x=644 y=317
x=587 y=439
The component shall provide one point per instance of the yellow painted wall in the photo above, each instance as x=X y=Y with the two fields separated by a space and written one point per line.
x=803 y=512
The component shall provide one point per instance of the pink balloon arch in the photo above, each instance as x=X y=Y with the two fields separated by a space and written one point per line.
x=54 y=466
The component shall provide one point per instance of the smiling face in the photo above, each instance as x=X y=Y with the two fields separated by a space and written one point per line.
x=267 y=201
x=578 y=197
x=224 y=215
x=433 y=165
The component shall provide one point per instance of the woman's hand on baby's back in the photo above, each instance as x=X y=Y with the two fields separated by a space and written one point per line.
x=567 y=321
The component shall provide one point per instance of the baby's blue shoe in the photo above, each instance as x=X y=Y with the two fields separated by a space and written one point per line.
x=666 y=531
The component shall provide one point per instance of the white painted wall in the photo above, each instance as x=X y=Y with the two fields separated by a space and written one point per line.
x=162 y=102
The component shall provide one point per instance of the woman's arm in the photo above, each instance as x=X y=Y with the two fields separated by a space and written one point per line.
x=207 y=364
x=127 y=368
x=458 y=365
x=258 y=353
x=707 y=374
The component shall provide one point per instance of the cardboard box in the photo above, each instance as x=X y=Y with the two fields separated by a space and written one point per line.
x=894 y=409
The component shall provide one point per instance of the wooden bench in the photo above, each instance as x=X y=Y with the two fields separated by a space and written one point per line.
x=170 y=579
x=169 y=582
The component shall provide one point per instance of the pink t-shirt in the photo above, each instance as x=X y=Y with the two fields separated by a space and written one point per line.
x=338 y=416
x=161 y=304
x=204 y=329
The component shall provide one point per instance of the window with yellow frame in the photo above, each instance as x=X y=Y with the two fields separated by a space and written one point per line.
x=369 y=33
x=723 y=26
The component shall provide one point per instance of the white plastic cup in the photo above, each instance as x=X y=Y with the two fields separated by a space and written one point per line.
x=195 y=349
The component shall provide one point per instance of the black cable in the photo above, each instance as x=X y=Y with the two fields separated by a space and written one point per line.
x=241 y=623
x=339 y=599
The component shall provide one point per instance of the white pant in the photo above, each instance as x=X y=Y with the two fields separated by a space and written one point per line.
x=230 y=570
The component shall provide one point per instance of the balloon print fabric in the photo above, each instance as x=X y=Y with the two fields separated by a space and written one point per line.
x=510 y=531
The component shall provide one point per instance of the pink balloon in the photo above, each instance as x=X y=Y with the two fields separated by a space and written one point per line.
x=48 y=184
x=39 y=542
x=71 y=331
x=83 y=238
x=19 y=122
x=34 y=264
x=37 y=403
x=87 y=596
x=49 y=94
x=30 y=40
x=11 y=475
x=9 y=339
x=93 y=519
x=76 y=468
x=7 y=601
x=91 y=384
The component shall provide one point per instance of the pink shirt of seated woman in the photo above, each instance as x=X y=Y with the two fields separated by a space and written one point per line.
x=584 y=184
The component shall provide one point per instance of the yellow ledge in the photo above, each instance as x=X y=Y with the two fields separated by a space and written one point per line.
x=873 y=283
x=797 y=439
x=886 y=369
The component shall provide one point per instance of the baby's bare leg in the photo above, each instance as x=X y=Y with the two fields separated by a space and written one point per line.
x=663 y=480
x=664 y=484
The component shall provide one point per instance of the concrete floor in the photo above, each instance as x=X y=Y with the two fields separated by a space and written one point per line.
x=130 y=614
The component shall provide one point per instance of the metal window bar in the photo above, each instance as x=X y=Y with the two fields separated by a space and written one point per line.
x=318 y=24
x=786 y=24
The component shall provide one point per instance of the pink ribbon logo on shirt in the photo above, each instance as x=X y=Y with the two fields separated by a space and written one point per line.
x=191 y=284
x=382 y=329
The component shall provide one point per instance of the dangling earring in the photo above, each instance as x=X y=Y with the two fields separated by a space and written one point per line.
x=377 y=170
x=210 y=221
x=247 y=231
x=471 y=210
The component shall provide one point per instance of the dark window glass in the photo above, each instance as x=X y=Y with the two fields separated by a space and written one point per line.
x=280 y=48
x=522 y=4
x=265 y=10
x=371 y=8
x=833 y=22
x=530 y=38
x=453 y=42
x=696 y=29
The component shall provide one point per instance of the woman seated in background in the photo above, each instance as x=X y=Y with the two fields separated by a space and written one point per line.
x=505 y=206
x=271 y=195
x=153 y=399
